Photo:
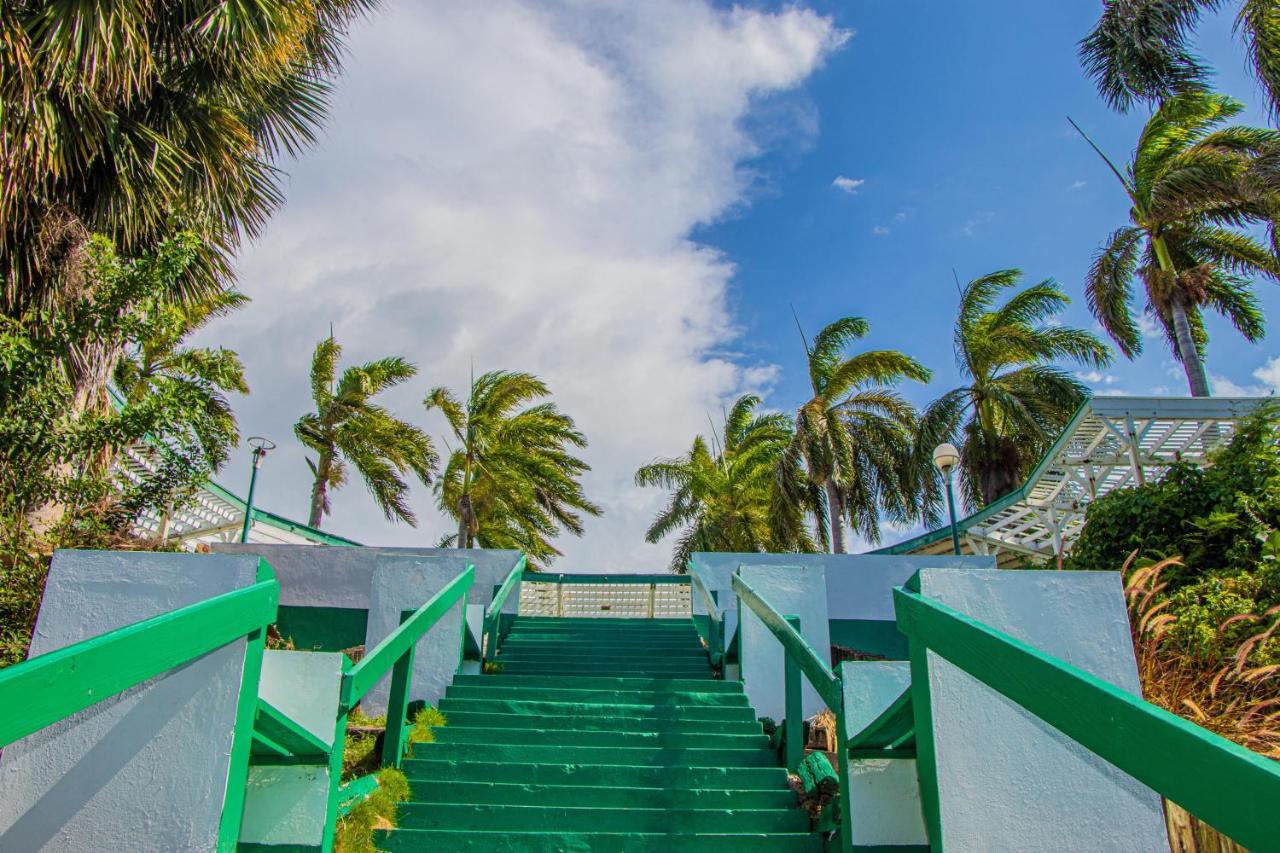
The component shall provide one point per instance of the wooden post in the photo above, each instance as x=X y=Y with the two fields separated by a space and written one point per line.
x=793 y=730
x=652 y=593
x=398 y=705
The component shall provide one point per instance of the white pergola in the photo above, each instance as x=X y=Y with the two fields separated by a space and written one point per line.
x=1110 y=443
x=214 y=515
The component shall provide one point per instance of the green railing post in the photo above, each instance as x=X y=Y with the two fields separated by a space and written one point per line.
x=793 y=724
x=491 y=632
x=393 y=738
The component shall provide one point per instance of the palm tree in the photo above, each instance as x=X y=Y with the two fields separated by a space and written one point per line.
x=854 y=435
x=160 y=360
x=1139 y=50
x=1193 y=185
x=1015 y=401
x=729 y=499
x=512 y=481
x=140 y=120
x=347 y=427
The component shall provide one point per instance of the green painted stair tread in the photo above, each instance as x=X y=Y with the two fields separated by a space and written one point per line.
x=680 y=698
x=598 y=683
x=594 y=775
x=444 y=841
x=636 y=710
x=677 y=739
x=636 y=756
x=557 y=652
x=566 y=669
x=600 y=722
x=442 y=792
x=513 y=818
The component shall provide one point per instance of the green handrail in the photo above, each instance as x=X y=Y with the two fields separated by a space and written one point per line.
x=395 y=653
x=799 y=655
x=53 y=686
x=490 y=636
x=1216 y=780
x=715 y=620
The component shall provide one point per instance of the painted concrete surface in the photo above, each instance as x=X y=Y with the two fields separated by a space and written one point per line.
x=885 y=803
x=405 y=583
x=870 y=687
x=858 y=586
x=285 y=806
x=792 y=591
x=304 y=686
x=1011 y=781
x=106 y=778
x=323 y=576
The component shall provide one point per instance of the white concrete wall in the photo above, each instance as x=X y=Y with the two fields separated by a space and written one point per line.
x=1010 y=782
x=406 y=583
x=858 y=586
x=329 y=576
x=145 y=770
x=792 y=591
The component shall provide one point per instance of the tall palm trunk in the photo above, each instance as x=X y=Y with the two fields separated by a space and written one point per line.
x=835 y=510
x=319 y=490
x=465 y=511
x=1192 y=364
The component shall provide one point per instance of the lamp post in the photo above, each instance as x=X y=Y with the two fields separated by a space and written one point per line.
x=260 y=447
x=945 y=459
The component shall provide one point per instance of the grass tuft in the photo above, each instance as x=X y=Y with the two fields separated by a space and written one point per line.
x=378 y=811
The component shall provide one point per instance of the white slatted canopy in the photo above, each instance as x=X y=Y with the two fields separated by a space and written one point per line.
x=1110 y=443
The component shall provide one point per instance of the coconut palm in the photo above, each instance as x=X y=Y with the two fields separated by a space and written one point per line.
x=1015 y=399
x=512 y=480
x=1194 y=185
x=349 y=428
x=728 y=499
x=854 y=435
x=1139 y=50
x=138 y=121
x=161 y=360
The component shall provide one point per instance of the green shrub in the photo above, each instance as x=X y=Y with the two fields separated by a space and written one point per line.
x=378 y=811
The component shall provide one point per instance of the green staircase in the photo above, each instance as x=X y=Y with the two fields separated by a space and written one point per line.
x=599 y=734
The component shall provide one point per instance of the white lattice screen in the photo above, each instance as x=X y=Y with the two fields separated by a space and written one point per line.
x=606 y=600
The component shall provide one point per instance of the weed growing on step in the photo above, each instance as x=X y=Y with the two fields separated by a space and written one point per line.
x=423 y=721
x=360 y=754
x=378 y=811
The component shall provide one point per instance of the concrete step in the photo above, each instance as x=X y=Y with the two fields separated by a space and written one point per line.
x=635 y=756
x=573 y=709
x=679 y=739
x=512 y=818
x=599 y=723
x=599 y=697
x=426 y=791
x=434 y=767
x=446 y=841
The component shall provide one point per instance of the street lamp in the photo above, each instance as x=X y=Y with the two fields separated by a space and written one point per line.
x=260 y=447
x=945 y=459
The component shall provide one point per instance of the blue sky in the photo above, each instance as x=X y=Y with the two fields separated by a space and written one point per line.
x=954 y=116
x=627 y=199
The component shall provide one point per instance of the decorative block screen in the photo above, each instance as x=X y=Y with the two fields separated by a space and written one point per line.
x=605 y=600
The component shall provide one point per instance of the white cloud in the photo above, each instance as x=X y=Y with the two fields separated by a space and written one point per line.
x=974 y=223
x=902 y=216
x=849 y=185
x=1268 y=376
x=511 y=184
x=880 y=230
x=1078 y=185
x=1097 y=377
x=1150 y=327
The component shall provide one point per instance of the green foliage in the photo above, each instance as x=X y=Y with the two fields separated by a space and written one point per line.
x=1140 y=51
x=1222 y=521
x=731 y=499
x=378 y=811
x=1195 y=188
x=423 y=722
x=58 y=436
x=1016 y=399
x=348 y=427
x=512 y=480
x=135 y=120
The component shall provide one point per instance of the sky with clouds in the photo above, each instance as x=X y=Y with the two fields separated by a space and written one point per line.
x=629 y=199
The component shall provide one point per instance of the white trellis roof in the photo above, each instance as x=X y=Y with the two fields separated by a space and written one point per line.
x=1110 y=443
x=215 y=514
